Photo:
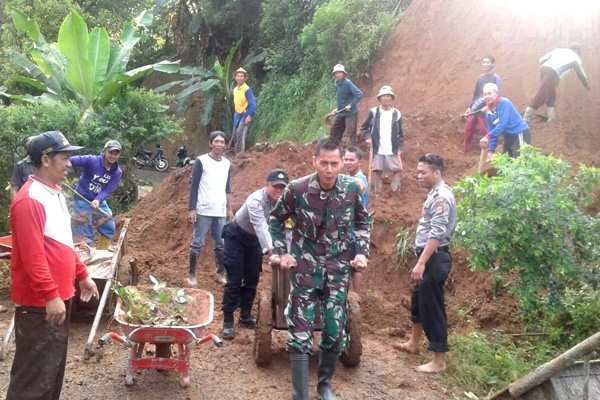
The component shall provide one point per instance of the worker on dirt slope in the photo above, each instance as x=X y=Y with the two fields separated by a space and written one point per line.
x=352 y=157
x=553 y=67
x=434 y=233
x=245 y=108
x=348 y=96
x=21 y=172
x=44 y=265
x=475 y=113
x=247 y=239
x=100 y=177
x=210 y=203
x=383 y=130
x=326 y=208
x=503 y=119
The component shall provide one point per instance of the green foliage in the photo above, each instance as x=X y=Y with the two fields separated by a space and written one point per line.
x=578 y=320
x=529 y=219
x=484 y=366
x=162 y=306
x=281 y=26
x=296 y=107
x=299 y=90
x=404 y=248
x=349 y=31
x=18 y=123
x=217 y=83
x=83 y=67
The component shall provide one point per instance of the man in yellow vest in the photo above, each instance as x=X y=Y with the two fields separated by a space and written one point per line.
x=245 y=108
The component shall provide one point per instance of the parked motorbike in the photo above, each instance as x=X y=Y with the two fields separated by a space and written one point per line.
x=182 y=157
x=143 y=158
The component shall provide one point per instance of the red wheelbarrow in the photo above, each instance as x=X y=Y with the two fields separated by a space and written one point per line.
x=5 y=246
x=185 y=337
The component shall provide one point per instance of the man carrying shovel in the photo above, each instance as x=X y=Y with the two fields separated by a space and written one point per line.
x=474 y=114
x=503 y=119
x=100 y=177
x=346 y=113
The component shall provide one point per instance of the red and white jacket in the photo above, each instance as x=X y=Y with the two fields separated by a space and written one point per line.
x=43 y=262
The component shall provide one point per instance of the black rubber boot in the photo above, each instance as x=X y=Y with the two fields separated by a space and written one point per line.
x=327 y=365
x=228 y=331
x=193 y=265
x=221 y=276
x=246 y=318
x=299 y=363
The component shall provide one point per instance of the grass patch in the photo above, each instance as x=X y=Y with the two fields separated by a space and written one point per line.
x=484 y=365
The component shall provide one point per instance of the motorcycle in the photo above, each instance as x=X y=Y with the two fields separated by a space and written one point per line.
x=143 y=158
x=183 y=159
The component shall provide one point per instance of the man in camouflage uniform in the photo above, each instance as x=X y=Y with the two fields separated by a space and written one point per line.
x=435 y=230
x=325 y=208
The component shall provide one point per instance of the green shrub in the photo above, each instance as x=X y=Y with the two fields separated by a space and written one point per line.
x=578 y=320
x=484 y=366
x=530 y=219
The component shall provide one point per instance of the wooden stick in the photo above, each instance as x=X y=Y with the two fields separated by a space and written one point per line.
x=107 y=215
x=370 y=170
x=480 y=166
x=6 y=341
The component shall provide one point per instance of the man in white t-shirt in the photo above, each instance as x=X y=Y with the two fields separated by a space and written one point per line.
x=210 y=203
x=383 y=130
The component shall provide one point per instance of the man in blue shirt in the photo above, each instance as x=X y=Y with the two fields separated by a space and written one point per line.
x=100 y=177
x=503 y=119
x=348 y=96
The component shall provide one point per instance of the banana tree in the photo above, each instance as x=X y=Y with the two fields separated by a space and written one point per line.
x=217 y=83
x=82 y=67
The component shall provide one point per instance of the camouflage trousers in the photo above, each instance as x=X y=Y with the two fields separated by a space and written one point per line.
x=307 y=291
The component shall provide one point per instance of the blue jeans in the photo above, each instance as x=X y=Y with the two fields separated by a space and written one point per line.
x=87 y=229
x=201 y=227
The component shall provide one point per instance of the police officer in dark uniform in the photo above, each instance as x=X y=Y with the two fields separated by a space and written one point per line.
x=21 y=172
x=246 y=240
x=435 y=230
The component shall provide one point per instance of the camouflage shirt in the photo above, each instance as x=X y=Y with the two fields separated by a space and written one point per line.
x=323 y=223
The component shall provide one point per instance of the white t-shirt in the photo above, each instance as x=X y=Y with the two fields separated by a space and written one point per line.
x=385 y=132
x=212 y=198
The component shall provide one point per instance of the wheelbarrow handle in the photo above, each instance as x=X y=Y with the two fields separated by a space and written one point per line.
x=111 y=335
x=216 y=340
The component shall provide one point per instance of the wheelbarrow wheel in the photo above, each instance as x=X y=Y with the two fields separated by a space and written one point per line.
x=185 y=382
x=129 y=379
x=262 y=336
x=354 y=348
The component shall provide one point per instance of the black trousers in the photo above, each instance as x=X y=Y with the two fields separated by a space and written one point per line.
x=427 y=302
x=513 y=143
x=38 y=368
x=243 y=263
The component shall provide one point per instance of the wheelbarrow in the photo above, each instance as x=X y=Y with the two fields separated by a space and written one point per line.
x=163 y=337
x=271 y=315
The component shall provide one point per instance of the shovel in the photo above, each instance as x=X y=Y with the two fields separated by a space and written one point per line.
x=106 y=215
x=327 y=119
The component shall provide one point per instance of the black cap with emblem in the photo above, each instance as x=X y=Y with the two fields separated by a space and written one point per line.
x=278 y=177
x=47 y=143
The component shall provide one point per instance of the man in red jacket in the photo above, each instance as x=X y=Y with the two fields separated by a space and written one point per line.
x=44 y=265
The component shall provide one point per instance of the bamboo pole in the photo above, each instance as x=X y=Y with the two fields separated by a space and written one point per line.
x=551 y=368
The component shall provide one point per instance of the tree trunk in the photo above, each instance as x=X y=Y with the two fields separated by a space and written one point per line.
x=555 y=366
